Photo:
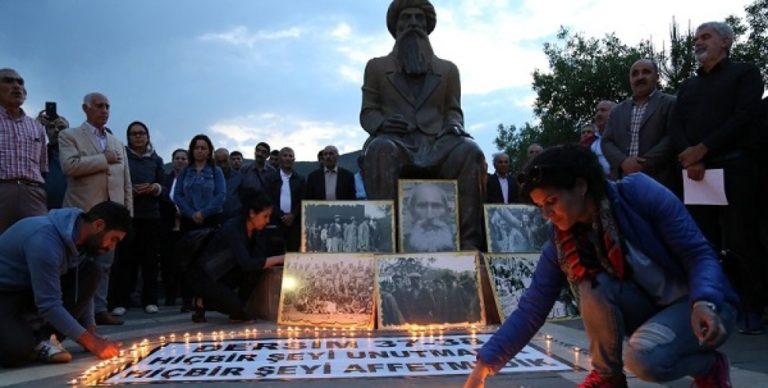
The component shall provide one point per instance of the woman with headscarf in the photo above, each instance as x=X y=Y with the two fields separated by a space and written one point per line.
x=639 y=267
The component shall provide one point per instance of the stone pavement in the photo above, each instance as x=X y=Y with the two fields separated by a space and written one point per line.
x=748 y=355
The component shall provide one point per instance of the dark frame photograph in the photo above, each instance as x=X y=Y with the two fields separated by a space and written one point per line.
x=348 y=226
x=514 y=228
x=510 y=275
x=429 y=290
x=428 y=215
x=328 y=290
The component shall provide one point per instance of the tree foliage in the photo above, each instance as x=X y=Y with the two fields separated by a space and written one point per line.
x=583 y=71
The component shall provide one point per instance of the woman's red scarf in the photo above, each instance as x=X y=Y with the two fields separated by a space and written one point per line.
x=579 y=263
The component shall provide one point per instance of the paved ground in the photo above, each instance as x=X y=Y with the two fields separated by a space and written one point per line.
x=748 y=355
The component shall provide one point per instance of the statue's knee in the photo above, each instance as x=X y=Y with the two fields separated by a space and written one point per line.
x=380 y=146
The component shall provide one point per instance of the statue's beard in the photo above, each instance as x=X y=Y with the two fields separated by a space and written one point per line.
x=431 y=236
x=414 y=52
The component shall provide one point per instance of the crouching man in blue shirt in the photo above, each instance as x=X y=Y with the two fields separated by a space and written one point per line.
x=48 y=279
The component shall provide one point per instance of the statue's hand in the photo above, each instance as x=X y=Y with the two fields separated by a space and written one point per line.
x=395 y=124
x=453 y=130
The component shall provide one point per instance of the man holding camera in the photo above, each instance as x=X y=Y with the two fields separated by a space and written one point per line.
x=55 y=181
x=23 y=156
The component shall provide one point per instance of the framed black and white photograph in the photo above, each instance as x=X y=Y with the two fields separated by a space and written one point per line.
x=328 y=290
x=348 y=226
x=428 y=216
x=428 y=289
x=510 y=276
x=514 y=228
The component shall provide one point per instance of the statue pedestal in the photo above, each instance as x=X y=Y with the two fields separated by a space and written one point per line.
x=265 y=299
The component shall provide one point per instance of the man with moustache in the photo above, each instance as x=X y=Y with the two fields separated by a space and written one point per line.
x=96 y=166
x=716 y=125
x=236 y=160
x=23 y=155
x=636 y=138
x=431 y=230
x=412 y=111
x=258 y=174
x=287 y=192
x=47 y=285
x=501 y=187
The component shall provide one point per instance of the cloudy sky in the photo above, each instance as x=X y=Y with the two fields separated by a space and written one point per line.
x=289 y=72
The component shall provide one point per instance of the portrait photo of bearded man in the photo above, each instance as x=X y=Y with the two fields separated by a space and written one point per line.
x=428 y=222
x=411 y=109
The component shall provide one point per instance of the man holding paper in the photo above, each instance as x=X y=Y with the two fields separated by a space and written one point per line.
x=715 y=125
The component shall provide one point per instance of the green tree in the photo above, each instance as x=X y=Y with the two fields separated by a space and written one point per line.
x=751 y=36
x=584 y=70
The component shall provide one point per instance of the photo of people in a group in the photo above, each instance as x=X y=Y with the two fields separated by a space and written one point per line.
x=514 y=228
x=511 y=275
x=327 y=290
x=428 y=290
x=348 y=226
x=428 y=216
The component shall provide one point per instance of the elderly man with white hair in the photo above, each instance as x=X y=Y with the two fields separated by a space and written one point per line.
x=716 y=125
x=96 y=166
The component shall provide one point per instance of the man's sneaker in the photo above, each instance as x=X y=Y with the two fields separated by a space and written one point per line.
x=151 y=309
x=595 y=380
x=52 y=351
x=719 y=375
x=118 y=311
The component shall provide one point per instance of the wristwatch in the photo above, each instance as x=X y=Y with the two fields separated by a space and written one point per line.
x=706 y=303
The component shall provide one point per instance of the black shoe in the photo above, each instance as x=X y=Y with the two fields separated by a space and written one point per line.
x=198 y=316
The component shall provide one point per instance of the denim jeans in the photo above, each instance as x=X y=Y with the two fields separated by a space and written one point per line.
x=661 y=346
x=104 y=261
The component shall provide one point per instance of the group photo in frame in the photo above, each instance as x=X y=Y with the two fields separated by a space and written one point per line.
x=514 y=228
x=429 y=289
x=428 y=215
x=328 y=290
x=348 y=226
x=510 y=275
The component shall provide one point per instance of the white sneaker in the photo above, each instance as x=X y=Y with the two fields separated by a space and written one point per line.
x=118 y=311
x=52 y=351
x=151 y=309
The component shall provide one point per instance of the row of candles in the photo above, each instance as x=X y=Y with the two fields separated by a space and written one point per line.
x=99 y=373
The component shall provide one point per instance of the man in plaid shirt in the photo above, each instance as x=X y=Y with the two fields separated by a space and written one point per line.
x=637 y=137
x=23 y=155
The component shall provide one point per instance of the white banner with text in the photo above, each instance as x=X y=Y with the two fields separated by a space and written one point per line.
x=315 y=358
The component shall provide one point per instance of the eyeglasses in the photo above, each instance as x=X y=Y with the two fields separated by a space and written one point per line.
x=137 y=134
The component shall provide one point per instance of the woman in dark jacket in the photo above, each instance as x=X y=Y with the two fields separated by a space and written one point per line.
x=140 y=250
x=227 y=267
x=639 y=267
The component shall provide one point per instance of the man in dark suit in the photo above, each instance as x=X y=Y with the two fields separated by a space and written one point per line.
x=286 y=194
x=412 y=110
x=331 y=182
x=501 y=188
x=637 y=134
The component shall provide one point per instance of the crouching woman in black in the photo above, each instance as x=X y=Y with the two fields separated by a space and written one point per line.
x=227 y=269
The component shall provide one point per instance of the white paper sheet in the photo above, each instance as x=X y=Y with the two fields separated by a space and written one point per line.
x=708 y=191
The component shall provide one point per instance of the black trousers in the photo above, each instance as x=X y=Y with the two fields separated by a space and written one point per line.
x=18 y=313
x=734 y=231
x=227 y=295
x=140 y=252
